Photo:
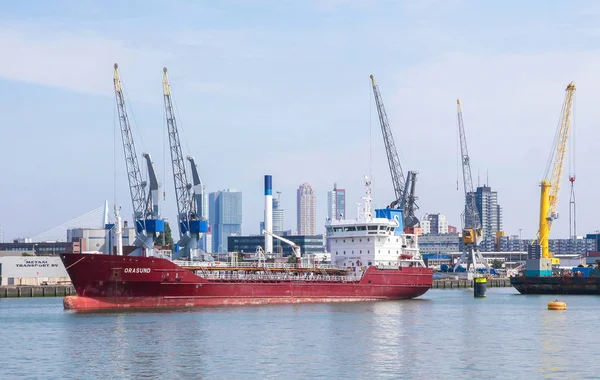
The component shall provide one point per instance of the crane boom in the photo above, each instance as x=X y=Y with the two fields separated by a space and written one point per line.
x=148 y=224
x=295 y=247
x=561 y=147
x=472 y=233
x=189 y=196
x=197 y=187
x=390 y=148
x=152 y=199
x=471 y=214
x=410 y=199
x=141 y=205
x=185 y=206
x=404 y=189
x=552 y=181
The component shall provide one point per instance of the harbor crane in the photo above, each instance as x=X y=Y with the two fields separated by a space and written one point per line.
x=144 y=194
x=540 y=259
x=405 y=198
x=189 y=195
x=472 y=233
x=295 y=247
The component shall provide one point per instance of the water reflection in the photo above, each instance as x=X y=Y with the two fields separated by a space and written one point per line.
x=137 y=343
x=553 y=337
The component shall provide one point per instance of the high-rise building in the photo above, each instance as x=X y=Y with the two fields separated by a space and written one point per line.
x=336 y=203
x=434 y=224
x=206 y=240
x=490 y=213
x=225 y=217
x=204 y=203
x=277 y=218
x=306 y=210
x=425 y=226
x=277 y=215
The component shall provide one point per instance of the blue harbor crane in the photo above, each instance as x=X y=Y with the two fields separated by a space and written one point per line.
x=404 y=190
x=144 y=194
x=189 y=195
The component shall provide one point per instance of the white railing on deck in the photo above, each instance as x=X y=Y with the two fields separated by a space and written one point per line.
x=223 y=264
x=279 y=277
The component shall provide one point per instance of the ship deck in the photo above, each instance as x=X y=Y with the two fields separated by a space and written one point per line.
x=205 y=268
x=280 y=277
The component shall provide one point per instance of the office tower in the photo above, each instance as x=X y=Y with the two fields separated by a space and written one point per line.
x=225 y=217
x=336 y=203
x=306 y=210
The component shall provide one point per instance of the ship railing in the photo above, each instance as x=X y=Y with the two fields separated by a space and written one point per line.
x=280 y=277
x=404 y=263
x=224 y=264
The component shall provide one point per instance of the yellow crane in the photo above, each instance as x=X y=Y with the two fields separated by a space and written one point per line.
x=540 y=258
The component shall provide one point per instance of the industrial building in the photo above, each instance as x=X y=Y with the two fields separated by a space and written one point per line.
x=443 y=243
x=32 y=270
x=438 y=243
x=101 y=240
x=38 y=248
x=509 y=259
x=309 y=244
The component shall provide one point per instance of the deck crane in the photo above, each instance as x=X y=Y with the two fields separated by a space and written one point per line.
x=295 y=247
x=540 y=260
x=405 y=199
x=148 y=223
x=472 y=233
x=189 y=195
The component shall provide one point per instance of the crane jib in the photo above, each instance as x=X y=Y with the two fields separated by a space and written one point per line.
x=401 y=185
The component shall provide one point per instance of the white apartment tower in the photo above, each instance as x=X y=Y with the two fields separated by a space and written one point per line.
x=434 y=224
x=306 y=208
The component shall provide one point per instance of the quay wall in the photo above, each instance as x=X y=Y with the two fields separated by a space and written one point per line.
x=36 y=291
x=455 y=284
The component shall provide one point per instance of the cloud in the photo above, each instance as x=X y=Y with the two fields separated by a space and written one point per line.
x=80 y=62
x=511 y=105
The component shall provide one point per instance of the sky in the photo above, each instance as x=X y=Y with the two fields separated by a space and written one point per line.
x=282 y=87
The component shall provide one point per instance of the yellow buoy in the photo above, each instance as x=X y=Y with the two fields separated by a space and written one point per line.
x=556 y=305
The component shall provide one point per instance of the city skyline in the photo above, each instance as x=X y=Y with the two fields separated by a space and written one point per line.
x=244 y=92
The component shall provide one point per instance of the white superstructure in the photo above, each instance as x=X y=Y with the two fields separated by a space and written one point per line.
x=372 y=239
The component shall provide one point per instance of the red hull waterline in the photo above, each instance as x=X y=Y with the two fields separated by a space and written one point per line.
x=109 y=282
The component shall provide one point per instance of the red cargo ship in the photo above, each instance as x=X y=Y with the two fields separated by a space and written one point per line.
x=371 y=259
x=105 y=281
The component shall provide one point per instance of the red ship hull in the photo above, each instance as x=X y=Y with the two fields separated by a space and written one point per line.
x=107 y=282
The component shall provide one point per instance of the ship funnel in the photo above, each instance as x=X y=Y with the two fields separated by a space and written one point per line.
x=268 y=213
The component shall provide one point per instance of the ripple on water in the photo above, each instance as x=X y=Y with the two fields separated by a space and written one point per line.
x=444 y=334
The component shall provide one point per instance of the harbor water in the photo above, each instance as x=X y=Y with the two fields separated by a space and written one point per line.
x=443 y=334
